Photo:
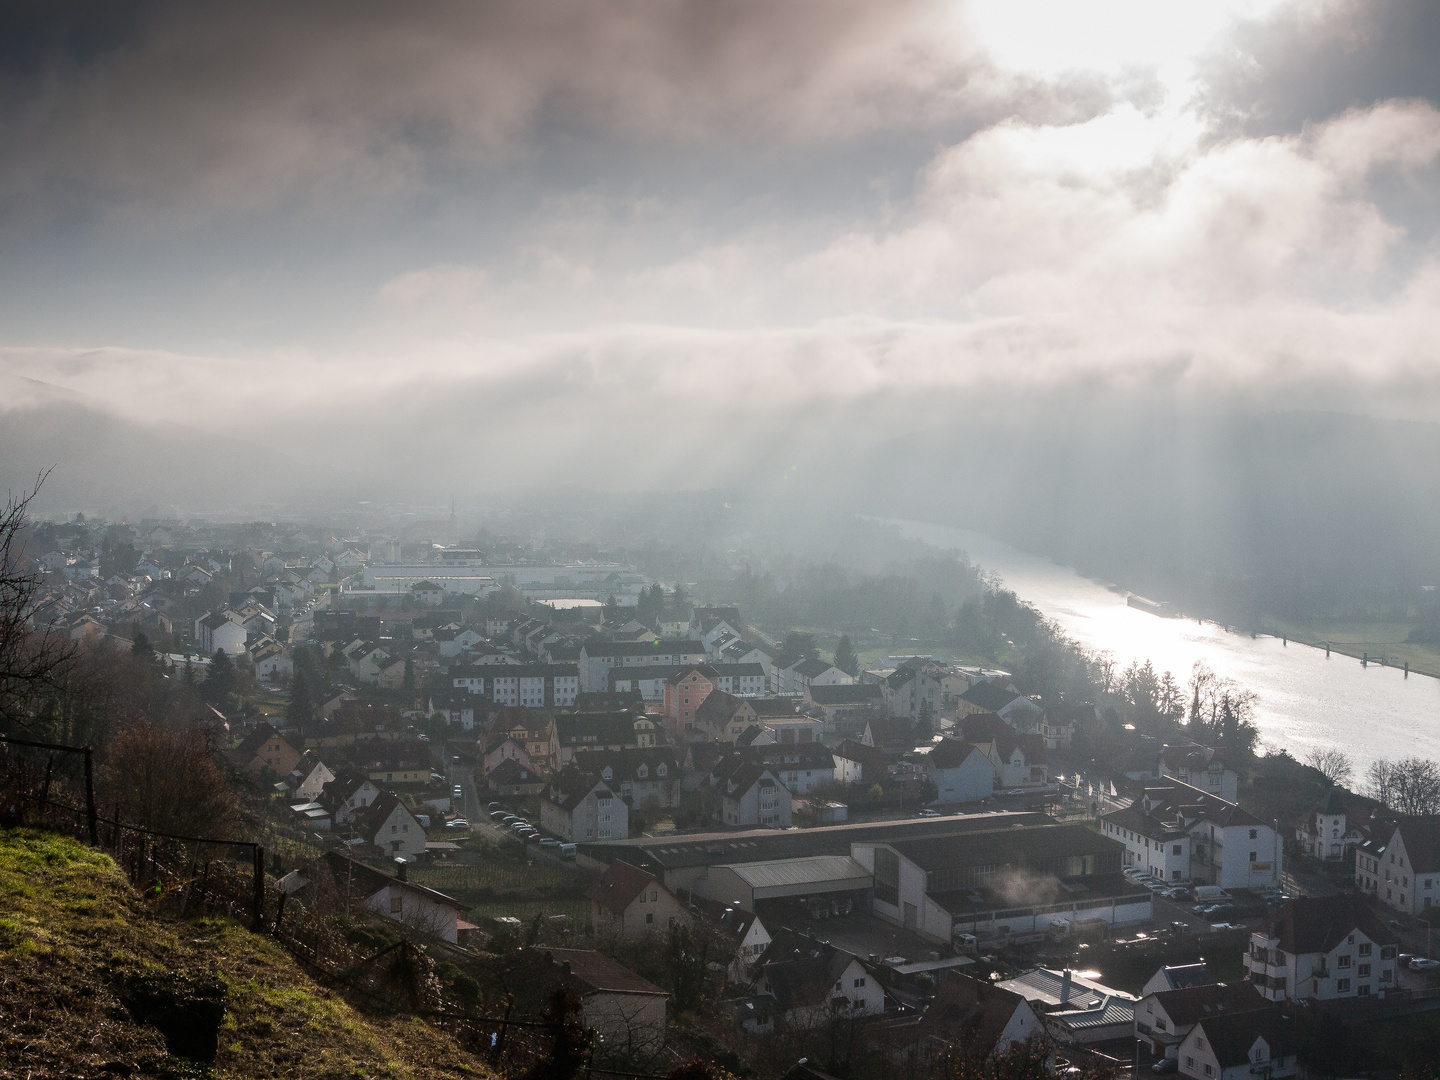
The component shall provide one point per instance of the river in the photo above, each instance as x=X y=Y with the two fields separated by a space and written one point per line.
x=1304 y=699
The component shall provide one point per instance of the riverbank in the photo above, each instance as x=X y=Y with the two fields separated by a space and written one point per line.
x=1382 y=642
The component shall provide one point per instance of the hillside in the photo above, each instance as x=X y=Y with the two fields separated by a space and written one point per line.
x=75 y=938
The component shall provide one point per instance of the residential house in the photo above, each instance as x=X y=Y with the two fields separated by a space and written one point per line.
x=632 y=903
x=1075 y=1010
x=1020 y=761
x=1400 y=864
x=1326 y=834
x=388 y=824
x=986 y=1019
x=685 y=689
x=993 y=696
x=265 y=749
x=1322 y=948
x=749 y=793
x=504 y=747
x=646 y=777
x=574 y=732
x=533 y=731
x=628 y=1012
x=310 y=777
x=795 y=728
x=218 y=630
x=921 y=687
x=598 y=656
x=1201 y=767
x=741 y=929
x=892 y=733
x=427 y=593
x=513 y=779
x=801 y=767
x=1060 y=722
x=386 y=896
x=846 y=707
x=960 y=772
x=1154 y=843
x=1238 y=1047
x=805 y=673
x=856 y=763
x=1164 y=1018
x=812 y=982
x=579 y=808
x=534 y=686
x=348 y=794
x=1177 y=977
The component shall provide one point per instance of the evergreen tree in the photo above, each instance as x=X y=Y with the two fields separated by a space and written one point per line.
x=220 y=683
x=925 y=723
x=409 y=684
x=300 y=713
x=140 y=648
x=845 y=658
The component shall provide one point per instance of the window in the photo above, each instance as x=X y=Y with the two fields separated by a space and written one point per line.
x=1209 y=1071
x=649 y=916
x=1342 y=986
x=1254 y=834
x=859 y=983
x=1365 y=948
x=1252 y=856
x=1363 y=971
x=1343 y=961
x=654 y=895
x=1189 y=1062
x=1363 y=991
x=1177 y=850
x=396 y=904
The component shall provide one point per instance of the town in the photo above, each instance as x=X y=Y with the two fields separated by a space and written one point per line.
x=545 y=773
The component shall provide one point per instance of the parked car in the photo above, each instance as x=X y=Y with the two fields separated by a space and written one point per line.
x=1220 y=911
x=495 y=806
x=457 y=823
x=458 y=791
x=497 y=816
x=1226 y=926
x=927 y=812
x=1422 y=963
x=1180 y=927
x=509 y=819
x=549 y=842
x=1177 y=892
x=1165 y=1065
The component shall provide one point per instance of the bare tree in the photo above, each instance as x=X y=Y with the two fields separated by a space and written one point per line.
x=30 y=657
x=1333 y=763
x=167 y=781
x=1410 y=786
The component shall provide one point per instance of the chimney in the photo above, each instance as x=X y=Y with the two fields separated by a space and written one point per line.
x=400 y=870
x=1065 y=986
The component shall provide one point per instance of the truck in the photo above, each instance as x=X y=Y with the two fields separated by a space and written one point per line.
x=1211 y=894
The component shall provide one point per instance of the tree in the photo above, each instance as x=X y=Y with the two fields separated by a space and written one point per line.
x=409 y=684
x=300 y=712
x=845 y=658
x=1332 y=763
x=570 y=1041
x=925 y=722
x=220 y=680
x=30 y=659
x=797 y=646
x=140 y=647
x=168 y=782
x=1410 y=786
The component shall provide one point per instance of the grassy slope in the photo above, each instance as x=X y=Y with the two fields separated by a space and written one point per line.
x=71 y=927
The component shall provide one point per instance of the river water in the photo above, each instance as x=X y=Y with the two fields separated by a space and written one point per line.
x=1305 y=699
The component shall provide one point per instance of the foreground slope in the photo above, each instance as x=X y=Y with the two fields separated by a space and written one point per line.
x=73 y=932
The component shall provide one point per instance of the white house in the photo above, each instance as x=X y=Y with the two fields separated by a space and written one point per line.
x=1326 y=834
x=803 y=674
x=1400 y=864
x=417 y=907
x=752 y=794
x=1226 y=846
x=580 y=808
x=960 y=772
x=813 y=982
x=1237 y=1047
x=1201 y=767
x=1322 y=948
x=633 y=903
x=218 y=630
x=1163 y=1018
x=388 y=825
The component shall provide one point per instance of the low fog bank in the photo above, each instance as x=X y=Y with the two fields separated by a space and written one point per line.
x=1222 y=509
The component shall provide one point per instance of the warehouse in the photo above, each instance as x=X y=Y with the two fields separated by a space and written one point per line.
x=818 y=886
x=999 y=884
x=682 y=861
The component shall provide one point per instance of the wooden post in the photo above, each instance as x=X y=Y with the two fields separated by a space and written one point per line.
x=505 y=1024
x=93 y=820
x=280 y=913
x=259 y=885
x=49 y=768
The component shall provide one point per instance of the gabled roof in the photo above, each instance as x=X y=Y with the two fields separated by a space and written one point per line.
x=1422 y=842
x=591 y=972
x=811 y=669
x=1232 y=1037
x=1311 y=924
x=869 y=757
x=990 y=696
x=1180 y=976
x=855 y=694
x=1194 y=1003
x=366 y=881
x=375 y=815
x=971 y=1011
x=620 y=885
x=703 y=671
x=950 y=753
x=732 y=919
x=511 y=771
x=251 y=744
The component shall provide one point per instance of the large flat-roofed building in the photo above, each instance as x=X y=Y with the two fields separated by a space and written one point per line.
x=682 y=861
x=1013 y=881
x=818 y=879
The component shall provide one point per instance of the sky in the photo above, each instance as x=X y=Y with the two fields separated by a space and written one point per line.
x=250 y=253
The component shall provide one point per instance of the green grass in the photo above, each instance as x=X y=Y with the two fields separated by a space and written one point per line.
x=73 y=929
x=1356 y=637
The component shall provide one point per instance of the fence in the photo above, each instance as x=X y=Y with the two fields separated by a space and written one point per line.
x=154 y=861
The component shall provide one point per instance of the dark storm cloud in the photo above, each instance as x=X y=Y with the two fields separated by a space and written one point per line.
x=238 y=105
